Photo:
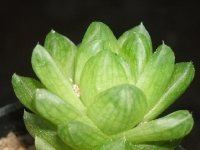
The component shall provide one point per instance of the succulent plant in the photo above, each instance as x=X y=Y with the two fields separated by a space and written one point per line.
x=105 y=93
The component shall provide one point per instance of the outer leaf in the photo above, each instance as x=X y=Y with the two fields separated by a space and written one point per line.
x=173 y=126
x=157 y=72
x=81 y=136
x=130 y=33
x=63 y=52
x=55 y=109
x=117 y=144
x=41 y=144
x=179 y=81
x=158 y=145
x=24 y=88
x=136 y=50
x=119 y=108
x=48 y=72
x=97 y=37
x=39 y=127
x=101 y=72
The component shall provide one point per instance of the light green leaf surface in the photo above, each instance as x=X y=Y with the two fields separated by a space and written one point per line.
x=158 y=145
x=45 y=130
x=24 y=88
x=130 y=33
x=117 y=144
x=81 y=136
x=119 y=108
x=97 y=38
x=173 y=126
x=50 y=75
x=101 y=72
x=181 y=78
x=63 y=52
x=136 y=50
x=45 y=102
x=157 y=72
x=41 y=144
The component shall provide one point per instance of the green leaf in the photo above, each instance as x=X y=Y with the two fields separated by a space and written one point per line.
x=63 y=52
x=98 y=31
x=130 y=34
x=41 y=144
x=50 y=75
x=24 y=88
x=45 y=130
x=136 y=50
x=97 y=38
x=119 y=108
x=55 y=109
x=157 y=72
x=101 y=72
x=81 y=136
x=158 y=145
x=179 y=81
x=173 y=126
x=117 y=144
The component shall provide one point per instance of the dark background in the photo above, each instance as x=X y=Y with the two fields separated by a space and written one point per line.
x=24 y=23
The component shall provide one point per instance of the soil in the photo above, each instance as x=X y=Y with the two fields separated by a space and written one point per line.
x=14 y=142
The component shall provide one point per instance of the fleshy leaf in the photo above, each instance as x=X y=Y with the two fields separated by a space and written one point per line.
x=136 y=50
x=63 y=52
x=130 y=33
x=45 y=102
x=173 y=126
x=101 y=72
x=81 y=136
x=50 y=75
x=156 y=74
x=119 y=108
x=41 y=144
x=117 y=144
x=24 y=88
x=47 y=131
x=97 y=38
x=179 y=81
x=158 y=145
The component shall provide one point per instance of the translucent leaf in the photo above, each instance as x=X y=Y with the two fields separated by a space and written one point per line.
x=101 y=72
x=81 y=136
x=24 y=88
x=97 y=38
x=50 y=75
x=45 y=130
x=173 y=126
x=55 y=109
x=179 y=81
x=156 y=75
x=130 y=33
x=118 y=108
x=41 y=144
x=117 y=144
x=158 y=145
x=63 y=52
x=136 y=50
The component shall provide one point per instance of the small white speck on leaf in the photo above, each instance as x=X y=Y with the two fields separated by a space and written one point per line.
x=76 y=90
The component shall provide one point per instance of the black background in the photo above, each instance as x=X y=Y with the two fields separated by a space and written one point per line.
x=24 y=23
